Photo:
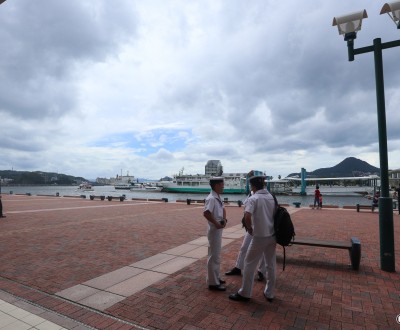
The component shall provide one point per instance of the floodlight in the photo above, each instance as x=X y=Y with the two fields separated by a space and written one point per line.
x=349 y=24
x=393 y=10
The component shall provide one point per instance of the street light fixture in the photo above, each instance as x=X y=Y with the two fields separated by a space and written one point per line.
x=393 y=10
x=349 y=25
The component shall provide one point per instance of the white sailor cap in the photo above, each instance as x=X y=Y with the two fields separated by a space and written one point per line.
x=216 y=179
x=257 y=178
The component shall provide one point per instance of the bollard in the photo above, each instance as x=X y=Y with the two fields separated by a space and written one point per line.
x=121 y=198
x=239 y=203
x=57 y=194
x=165 y=199
x=91 y=197
x=102 y=198
x=83 y=196
x=188 y=201
x=109 y=198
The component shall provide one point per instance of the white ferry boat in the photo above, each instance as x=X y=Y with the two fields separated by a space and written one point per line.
x=234 y=183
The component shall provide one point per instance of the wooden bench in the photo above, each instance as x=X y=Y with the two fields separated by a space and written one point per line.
x=354 y=247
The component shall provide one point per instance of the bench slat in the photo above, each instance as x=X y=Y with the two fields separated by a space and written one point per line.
x=322 y=243
x=354 y=247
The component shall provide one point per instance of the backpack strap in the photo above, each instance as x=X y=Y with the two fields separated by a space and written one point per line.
x=276 y=203
x=284 y=258
x=284 y=250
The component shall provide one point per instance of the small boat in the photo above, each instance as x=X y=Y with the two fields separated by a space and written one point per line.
x=85 y=186
x=145 y=187
x=122 y=185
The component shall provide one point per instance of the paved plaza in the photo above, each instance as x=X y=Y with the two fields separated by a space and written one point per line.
x=76 y=263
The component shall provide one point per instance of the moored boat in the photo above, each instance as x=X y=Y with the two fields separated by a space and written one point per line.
x=124 y=181
x=145 y=187
x=234 y=183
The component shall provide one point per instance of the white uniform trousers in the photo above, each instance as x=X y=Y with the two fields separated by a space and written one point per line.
x=214 y=236
x=258 y=246
x=242 y=254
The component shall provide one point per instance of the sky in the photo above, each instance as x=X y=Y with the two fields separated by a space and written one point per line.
x=100 y=88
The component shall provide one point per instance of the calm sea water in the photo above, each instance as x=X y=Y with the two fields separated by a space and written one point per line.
x=111 y=191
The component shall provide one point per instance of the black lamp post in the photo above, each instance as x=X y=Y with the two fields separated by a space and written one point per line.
x=349 y=25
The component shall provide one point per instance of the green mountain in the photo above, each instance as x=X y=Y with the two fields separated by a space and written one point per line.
x=38 y=177
x=351 y=166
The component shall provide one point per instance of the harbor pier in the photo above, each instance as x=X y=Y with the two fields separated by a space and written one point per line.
x=139 y=264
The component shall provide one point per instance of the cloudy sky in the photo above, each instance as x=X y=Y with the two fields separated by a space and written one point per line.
x=96 y=88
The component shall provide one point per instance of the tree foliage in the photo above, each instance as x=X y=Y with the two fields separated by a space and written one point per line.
x=39 y=178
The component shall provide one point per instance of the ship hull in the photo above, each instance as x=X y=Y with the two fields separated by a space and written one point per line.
x=198 y=190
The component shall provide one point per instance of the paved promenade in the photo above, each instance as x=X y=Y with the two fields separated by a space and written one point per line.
x=88 y=264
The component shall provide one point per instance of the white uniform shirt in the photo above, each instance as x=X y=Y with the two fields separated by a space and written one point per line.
x=261 y=206
x=215 y=206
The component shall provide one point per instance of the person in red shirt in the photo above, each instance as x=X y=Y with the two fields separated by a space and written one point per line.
x=317 y=193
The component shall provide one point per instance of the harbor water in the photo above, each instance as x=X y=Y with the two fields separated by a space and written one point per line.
x=172 y=197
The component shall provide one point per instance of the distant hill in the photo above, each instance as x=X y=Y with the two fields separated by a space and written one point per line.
x=351 y=166
x=38 y=177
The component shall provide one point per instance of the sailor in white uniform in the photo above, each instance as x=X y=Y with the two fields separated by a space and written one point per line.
x=237 y=270
x=259 y=219
x=215 y=213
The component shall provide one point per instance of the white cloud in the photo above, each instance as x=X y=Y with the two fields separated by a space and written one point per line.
x=150 y=87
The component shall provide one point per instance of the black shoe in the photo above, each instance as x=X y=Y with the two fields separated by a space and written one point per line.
x=237 y=297
x=216 y=288
x=260 y=276
x=234 y=271
x=269 y=299
x=222 y=281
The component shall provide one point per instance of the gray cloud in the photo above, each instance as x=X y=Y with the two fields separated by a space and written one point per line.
x=264 y=84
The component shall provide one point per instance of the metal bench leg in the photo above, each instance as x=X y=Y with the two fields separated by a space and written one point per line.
x=355 y=253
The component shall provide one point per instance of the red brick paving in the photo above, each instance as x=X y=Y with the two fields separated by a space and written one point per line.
x=44 y=252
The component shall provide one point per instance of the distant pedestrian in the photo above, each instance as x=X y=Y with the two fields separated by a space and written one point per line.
x=398 y=198
x=317 y=193
x=375 y=201
x=215 y=213
x=1 y=209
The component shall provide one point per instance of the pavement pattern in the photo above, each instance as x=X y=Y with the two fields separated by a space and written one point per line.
x=81 y=264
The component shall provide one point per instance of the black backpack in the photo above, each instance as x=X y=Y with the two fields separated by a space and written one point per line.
x=284 y=229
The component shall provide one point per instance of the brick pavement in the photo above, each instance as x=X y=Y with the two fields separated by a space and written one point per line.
x=51 y=244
